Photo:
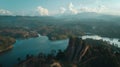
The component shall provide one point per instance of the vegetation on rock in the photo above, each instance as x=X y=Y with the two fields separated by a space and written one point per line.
x=79 y=53
x=6 y=43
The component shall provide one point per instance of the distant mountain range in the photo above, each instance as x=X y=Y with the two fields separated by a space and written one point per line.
x=101 y=24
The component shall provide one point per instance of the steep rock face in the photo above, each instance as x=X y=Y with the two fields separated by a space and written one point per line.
x=76 y=49
x=92 y=53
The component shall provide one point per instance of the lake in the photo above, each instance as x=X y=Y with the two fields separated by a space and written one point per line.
x=41 y=44
x=30 y=46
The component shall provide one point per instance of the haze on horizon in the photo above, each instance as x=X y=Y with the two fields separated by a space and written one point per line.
x=58 y=7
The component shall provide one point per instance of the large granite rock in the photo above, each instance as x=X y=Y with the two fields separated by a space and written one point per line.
x=92 y=53
x=76 y=49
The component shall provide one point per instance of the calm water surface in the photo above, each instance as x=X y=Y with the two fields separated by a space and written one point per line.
x=41 y=44
x=30 y=46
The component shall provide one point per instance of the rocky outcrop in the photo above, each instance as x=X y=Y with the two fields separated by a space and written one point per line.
x=76 y=49
x=91 y=53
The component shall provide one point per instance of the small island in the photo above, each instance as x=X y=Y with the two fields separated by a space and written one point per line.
x=6 y=43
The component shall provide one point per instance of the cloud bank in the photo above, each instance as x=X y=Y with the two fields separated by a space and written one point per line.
x=5 y=12
x=72 y=8
x=42 y=11
x=99 y=9
x=62 y=10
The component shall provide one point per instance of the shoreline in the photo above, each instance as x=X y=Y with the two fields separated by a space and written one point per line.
x=7 y=49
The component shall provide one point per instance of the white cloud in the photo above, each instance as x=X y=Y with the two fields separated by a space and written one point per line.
x=99 y=9
x=87 y=9
x=72 y=9
x=62 y=10
x=102 y=8
x=42 y=11
x=5 y=12
x=108 y=10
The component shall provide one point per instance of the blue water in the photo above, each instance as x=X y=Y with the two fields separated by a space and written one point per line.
x=41 y=44
x=30 y=46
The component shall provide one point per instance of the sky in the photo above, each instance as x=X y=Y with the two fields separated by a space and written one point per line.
x=58 y=7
